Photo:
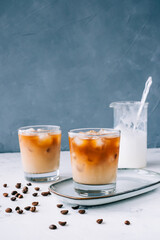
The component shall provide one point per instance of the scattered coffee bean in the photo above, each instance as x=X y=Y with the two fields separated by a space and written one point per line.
x=37 y=188
x=75 y=207
x=33 y=209
x=99 y=221
x=35 y=194
x=5 y=185
x=64 y=212
x=127 y=222
x=5 y=194
x=8 y=210
x=20 y=196
x=27 y=208
x=18 y=185
x=62 y=223
x=17 y=208
x=59 y=205
x=35 y=203
x=19 y=211
x=81 y=211
x=17 y=194
x=52 y=227
x=13 y=198
x=44 y=194
x=13 y=192
x=49 y=193
x=25 y=189
x=29 y=184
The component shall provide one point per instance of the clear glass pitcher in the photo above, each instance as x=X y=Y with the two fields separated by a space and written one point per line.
x=133 y=143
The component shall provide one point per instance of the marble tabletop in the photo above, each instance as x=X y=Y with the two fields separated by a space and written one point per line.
x=142 y=211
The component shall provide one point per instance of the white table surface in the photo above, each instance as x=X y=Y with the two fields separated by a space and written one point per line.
x=142 y=211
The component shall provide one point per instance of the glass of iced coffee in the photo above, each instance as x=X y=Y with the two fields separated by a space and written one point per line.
x=40 y=152
x=94 y=159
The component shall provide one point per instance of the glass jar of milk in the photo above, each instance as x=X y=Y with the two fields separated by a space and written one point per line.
x=133 y=143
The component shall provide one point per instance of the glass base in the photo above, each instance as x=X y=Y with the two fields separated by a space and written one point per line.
x=94 y=190
x=42 y=177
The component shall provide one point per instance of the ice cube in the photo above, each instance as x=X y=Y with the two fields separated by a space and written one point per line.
x=91 y=132
x=99 y=142
x=78 y=141
x=102 y=131
x=28 y=132
x=40 y=130
x=42 y=136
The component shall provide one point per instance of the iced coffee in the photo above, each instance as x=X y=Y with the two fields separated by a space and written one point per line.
x=40 y=152
x=94 y=158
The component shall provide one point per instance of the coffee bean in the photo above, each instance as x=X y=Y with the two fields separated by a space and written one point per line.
x=35 y=203
x=17 y=208
x=127 y=222
x=33 y=209
x=52 y=227
x=29 y=184
x=17 y=194
x=75 y=207
x=81 y=211
x=37 y=188
x=99 y=221
x=19 y=211
x=59 y=205
x=5 y=194
x=5 y=185
x=64 y=212
x=13 y=198
x=8 y=210
x=13 y=192
x=44 y=194
x=27 y=208
x=62 y=223
x=18 y=185
x=20 y=196
x=25 y=189
x=35 y=194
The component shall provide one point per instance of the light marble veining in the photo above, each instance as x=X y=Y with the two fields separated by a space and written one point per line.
x=142 y=211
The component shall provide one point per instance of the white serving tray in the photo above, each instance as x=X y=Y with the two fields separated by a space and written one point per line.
x=130 y=183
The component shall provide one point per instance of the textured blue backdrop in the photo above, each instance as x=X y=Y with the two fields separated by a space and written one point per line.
x=62 y=62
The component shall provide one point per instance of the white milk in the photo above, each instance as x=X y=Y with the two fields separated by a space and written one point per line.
x=133 y=148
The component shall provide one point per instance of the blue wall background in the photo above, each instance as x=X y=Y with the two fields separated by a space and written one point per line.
x=63 y=62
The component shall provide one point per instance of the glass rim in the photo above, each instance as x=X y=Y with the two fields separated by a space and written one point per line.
x=108 y=132
x=53 y=128
x=121 y=103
